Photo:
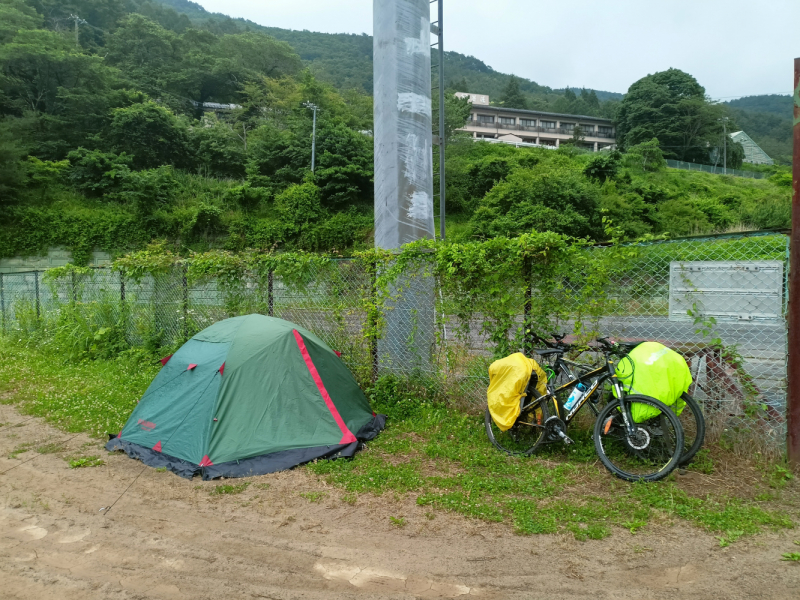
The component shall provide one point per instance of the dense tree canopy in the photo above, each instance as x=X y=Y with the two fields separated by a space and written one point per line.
x=672 y=107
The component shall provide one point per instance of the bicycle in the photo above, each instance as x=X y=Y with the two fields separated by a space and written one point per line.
x=691 y=417
x=648 y=450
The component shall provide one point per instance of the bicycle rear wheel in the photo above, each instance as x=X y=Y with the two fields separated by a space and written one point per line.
x=524 y=437
x=651 y=453
x=694 y=428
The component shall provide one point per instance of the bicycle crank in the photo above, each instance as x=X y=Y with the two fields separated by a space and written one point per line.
x=555 y=428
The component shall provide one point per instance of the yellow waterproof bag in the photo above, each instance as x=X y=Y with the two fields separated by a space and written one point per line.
x=508 y=379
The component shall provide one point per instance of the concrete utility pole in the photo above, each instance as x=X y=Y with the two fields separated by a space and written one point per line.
x=724 y=145
x=404 y=171
x=403 y=134
x=313 y=107
x=793 y=366
x=442 y=134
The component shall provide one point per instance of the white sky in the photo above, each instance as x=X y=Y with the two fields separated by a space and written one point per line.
x=733 y=47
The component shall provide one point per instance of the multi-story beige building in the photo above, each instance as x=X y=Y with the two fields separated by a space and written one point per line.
x=535 y=127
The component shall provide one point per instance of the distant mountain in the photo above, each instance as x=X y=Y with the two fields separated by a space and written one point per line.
x=768 y=120
x=345 y=60
x=776 y=104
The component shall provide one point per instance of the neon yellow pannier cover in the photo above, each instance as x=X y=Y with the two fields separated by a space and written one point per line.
x=508 y=378
x=652 y=369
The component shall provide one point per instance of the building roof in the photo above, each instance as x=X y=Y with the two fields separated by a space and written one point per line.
x=752 y=151
x=540 y=112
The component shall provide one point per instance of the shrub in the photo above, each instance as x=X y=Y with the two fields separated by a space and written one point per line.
x=604 y=165
x=555 y=199
x=97 y=173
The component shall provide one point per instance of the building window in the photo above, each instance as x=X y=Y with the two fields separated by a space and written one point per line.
x=588 y=129
x=604 y=130
x=568 y=127
x=527 y=122
x=548 y=124
x=486 y=119
x=508 y=121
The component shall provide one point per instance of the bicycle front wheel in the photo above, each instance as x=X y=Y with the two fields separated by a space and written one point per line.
x=651 y=453
x=524 y=437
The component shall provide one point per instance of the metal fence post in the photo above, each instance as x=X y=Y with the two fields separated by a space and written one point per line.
x=270 y=293
x=527 y=335
x=2 y=304
x=185 y=303
x=38 y=303
x=373 y=321
x=74 y=290
x=793 y=362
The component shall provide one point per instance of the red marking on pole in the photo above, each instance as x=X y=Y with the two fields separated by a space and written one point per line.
x=190 y=367
x=222 y=369
x=206 y=462
x=165 y=360
x=157 y=447
x=793 y=362
x=347 y=435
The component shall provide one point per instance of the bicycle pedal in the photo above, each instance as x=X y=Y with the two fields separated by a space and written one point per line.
x=566 y=438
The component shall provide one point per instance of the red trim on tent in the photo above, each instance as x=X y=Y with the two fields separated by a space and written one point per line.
x=206 y=462
x=337 y=353
x=191 y=366
x=222 y=369
x=347 y=435
x=165 y=360
x=157 y=447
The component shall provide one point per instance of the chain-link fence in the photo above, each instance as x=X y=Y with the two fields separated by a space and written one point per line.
x=716 y=169
x=720 y=301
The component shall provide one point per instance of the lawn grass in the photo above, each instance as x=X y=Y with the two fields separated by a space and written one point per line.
x=96 y=397
x=439 y=456
x=443 y=458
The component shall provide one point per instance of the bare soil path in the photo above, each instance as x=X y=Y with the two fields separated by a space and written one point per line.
x=169 y=538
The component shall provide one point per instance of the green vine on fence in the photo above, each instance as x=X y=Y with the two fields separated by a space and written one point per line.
x=555 y=278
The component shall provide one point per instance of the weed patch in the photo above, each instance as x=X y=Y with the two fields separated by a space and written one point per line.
x=80 y=462
x=51 y=448
x=313 y=496
x=229 y=489
x=21 y=449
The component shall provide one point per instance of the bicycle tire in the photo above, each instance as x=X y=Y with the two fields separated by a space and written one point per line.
x=662 y=437
x=694 y=428
x=515 y=441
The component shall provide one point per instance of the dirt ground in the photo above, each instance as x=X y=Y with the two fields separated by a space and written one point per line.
x=169 y=538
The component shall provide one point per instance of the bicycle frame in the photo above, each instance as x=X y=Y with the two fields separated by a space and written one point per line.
x=604 y=373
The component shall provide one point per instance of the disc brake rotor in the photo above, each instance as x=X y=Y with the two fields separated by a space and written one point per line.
x=639 y=440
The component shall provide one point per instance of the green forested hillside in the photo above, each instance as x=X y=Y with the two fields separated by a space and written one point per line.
x=768 y=120
x=102 y=146
x=345 y=60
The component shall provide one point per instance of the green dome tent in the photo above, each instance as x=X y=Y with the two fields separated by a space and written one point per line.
x=247 y=396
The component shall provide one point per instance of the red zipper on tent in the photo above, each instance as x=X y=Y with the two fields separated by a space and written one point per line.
x=347 y=437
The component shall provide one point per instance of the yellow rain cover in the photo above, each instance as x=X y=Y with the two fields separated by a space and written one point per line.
x=508 y=378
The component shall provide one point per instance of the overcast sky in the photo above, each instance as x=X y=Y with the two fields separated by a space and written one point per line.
x=733 y=47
